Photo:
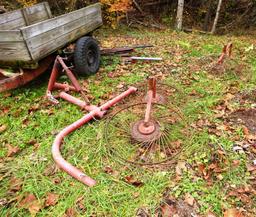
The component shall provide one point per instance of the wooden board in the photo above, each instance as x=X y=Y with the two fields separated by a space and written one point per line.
x=13 y=47
x=24 y=17
x=48 y=36
x=37 y=13
x=12 y=20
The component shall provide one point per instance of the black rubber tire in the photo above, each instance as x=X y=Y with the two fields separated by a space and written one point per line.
x=87 y=56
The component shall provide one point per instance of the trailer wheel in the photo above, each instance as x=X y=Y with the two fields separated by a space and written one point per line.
x=87 y=56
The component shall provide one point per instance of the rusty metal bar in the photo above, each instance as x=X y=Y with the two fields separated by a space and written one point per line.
x=78 y=102
x=53 y=76
x=25 y=77
x=65 y=87
x=149 y=107
x=96 y=112
x=70 y=74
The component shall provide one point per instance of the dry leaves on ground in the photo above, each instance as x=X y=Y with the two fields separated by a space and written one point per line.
x=3 y=128
x=51 y=199
x=12 y=150
x=233 y=213
x=31 y=203
x=132 y=181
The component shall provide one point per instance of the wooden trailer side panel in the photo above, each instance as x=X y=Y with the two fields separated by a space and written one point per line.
x=13 y=47
x=37 y=13
x=25 y=17
x=12 y=20
x=48 y=36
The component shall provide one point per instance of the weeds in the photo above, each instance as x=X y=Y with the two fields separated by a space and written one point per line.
x=31 y=124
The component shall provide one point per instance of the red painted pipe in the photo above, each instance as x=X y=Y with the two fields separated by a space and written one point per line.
x=28 y=75
x=79 y=102
x=65 y=87
x=60 y=161
x=53 y=76
x=149 y=107
x=70 y=74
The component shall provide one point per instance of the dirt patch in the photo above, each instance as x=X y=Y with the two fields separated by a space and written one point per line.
x=172 y=207
x=246 y=96
x=246 y=117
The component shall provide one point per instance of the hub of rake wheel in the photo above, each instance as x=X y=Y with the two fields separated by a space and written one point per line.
x=145 y=132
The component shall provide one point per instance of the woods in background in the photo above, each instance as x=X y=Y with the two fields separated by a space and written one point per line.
x=207 y=15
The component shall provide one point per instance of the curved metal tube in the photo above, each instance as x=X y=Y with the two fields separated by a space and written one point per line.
x=96 y=112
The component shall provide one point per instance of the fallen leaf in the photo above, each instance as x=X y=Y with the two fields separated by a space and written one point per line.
x=136 y=194
x=167 y=210
x=34 y=143
x=56 y=180
x=51 y=199
x=3 y=202
x=3 y=128
x=12 y=150
x=80 y=204
x=210 y=214
x=220 y=177
x=15 y=184
x=189 y=199
x=33 y=108
x=50 y=170
x=181 y=166
x=28 y=199
x=202 y=169
x=132 y=181
x=236 y=163
x=246 y=131
x=120 y=86
x=31 y=203
x=8 y=94
x=6 y=109
x=70 y=212
x=25 y=123
x=110 y=171
x=251 y=168
x=229 y=96
x=111 y=75
x=233 y=213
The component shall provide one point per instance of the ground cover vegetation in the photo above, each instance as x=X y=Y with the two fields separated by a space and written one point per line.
x=213 y=175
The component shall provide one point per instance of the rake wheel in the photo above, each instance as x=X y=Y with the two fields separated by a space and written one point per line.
x=152 y=144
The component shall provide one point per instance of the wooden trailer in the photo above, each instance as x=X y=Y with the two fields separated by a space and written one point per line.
x=29 y=35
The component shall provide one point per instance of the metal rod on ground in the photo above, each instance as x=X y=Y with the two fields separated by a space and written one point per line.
x=65 y=87
x=96 y=112
x=146 y=58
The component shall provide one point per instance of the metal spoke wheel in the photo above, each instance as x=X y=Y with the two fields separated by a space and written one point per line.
x=157 y=142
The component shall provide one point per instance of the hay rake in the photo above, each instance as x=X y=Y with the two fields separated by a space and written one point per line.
x=145 y=133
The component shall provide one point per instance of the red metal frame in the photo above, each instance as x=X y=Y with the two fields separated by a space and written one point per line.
x=147 y=127
x=25 y=76
x=94 y=112
x=226 y=52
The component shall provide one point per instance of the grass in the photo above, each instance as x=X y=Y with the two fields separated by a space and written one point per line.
x=29 y=117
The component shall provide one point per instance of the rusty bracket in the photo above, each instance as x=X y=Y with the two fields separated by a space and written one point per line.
x=53 y=85
x=226 y=52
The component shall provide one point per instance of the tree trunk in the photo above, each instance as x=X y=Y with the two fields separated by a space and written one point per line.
x=216 y=17
x=208 y=16
x=180 y=14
